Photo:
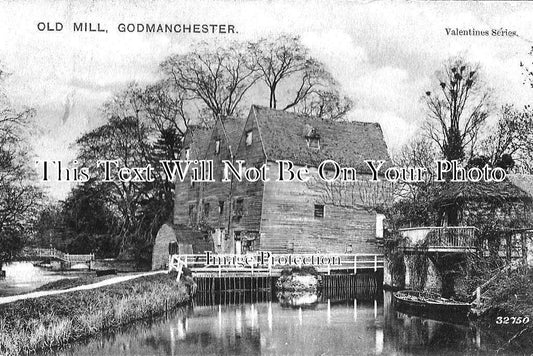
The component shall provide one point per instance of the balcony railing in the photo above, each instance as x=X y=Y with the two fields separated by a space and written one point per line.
x=440 y=237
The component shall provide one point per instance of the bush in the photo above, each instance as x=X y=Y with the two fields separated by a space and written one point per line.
x=300 y=271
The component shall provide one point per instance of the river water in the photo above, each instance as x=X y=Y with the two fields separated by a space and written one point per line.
x=23 y=277
x=259 y=326
x=366 y=323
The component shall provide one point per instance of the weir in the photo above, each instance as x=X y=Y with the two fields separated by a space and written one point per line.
x=331 y=286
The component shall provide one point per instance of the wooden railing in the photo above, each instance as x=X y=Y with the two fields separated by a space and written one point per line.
x=54 y=253
x=441 y=237
x=198 y=264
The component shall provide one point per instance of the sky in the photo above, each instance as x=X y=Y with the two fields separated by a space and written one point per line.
x=384 y=54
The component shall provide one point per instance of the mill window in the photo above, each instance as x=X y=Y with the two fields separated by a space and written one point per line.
x=319 y=211
x=191 y=213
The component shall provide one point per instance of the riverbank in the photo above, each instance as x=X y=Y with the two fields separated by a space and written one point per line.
x=46 y=322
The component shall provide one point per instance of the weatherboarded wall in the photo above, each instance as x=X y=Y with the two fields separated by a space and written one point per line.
x=248 y=219
x=288 y=222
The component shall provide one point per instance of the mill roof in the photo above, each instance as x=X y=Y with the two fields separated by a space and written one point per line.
x=233 y=129
x=197 y=139
x=285 y=136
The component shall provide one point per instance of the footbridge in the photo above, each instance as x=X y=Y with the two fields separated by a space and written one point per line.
x=54 y=254
x=262 y=263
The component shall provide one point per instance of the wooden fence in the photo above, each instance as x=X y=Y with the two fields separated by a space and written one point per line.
x=54 y=253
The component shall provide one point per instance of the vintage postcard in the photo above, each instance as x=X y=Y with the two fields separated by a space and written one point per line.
x=266 y=177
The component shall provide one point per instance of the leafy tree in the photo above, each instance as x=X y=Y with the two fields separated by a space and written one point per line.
x=127 y=141
x=19 y=197
x=82 y=223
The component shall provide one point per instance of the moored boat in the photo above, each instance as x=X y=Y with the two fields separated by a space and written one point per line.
x=427 y=302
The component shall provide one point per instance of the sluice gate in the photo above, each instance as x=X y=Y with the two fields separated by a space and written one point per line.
x=234 y=283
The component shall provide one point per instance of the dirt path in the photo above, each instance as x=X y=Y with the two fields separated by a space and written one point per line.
x=14 y=298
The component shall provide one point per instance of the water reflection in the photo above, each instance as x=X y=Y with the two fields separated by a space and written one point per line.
x=261 y=325
x=297 y=299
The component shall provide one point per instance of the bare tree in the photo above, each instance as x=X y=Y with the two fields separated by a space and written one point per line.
x=528 y=70
x=285 y=61
x=511 y=139
x=278 y=60
x=457 y=109
x=419 y=152
x=219 y=78
x=373 y=196
x=327 y=105
x=165 y=106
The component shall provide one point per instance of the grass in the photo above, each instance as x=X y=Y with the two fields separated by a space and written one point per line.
x=45 y=323
x=67 y=283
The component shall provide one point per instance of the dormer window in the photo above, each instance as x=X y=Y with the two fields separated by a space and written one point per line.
x=249 y=138
x=217 y=146
x=312 y=137
x=313 y=142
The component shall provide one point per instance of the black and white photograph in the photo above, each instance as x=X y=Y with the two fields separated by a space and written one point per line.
x=262 y=177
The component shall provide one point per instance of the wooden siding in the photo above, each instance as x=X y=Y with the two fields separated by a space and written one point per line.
x=214 y=192
x=281 y=214
x=250 y=192
x=185 y=196
x=288 y=219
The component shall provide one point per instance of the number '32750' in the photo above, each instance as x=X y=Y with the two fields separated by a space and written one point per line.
x=512 y=320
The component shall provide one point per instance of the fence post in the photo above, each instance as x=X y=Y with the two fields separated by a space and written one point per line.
x=355 y=264
x=180 y=267
x=375 y=263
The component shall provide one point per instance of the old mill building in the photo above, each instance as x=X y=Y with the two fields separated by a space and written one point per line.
x=282 y=217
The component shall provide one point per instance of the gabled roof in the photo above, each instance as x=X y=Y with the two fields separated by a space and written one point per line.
x=197 y=139
x=285 y=135
x=233 y=130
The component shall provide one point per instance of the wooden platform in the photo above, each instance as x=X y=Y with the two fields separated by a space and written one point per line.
x=348 y=263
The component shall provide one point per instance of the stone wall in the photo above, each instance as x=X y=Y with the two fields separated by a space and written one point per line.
x=165 y=235
x=189 y=241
